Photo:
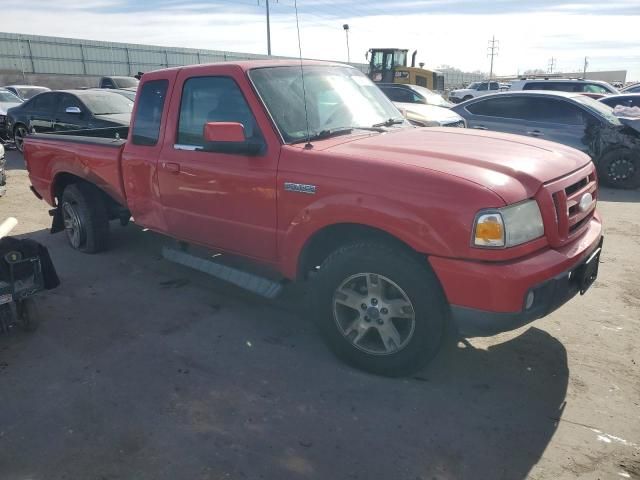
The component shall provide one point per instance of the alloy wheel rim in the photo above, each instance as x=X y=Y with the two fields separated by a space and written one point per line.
x=621 y=169
x=374 y=314
x=72 y=225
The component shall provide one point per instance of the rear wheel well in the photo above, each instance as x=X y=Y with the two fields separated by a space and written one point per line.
x=114 y=209
x=327 y=240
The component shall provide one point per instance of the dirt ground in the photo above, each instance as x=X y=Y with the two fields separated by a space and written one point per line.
x=142 y=369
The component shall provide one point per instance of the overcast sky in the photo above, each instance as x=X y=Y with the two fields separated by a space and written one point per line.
x=453 y=32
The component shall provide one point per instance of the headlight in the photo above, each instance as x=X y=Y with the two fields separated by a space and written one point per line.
x=508 y=226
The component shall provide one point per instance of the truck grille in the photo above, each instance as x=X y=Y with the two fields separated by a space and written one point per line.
x=564 y=216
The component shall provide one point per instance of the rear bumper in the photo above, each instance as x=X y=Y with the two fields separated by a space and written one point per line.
x=489 y=298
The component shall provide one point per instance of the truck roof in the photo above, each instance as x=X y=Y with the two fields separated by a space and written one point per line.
x=246 y=65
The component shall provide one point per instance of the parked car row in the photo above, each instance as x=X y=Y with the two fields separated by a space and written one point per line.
x=572 y=119
x=68 y=110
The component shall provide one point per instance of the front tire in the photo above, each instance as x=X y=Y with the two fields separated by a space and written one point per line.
x=19 y=133
x=380 y=308
x=85 y=217
x=620 y=168
x=468 y=97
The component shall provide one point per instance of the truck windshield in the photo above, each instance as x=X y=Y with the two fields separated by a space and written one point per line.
x=338 y=98
x=107 y=103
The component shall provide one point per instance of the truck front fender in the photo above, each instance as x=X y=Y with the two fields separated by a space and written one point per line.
x=394 y=219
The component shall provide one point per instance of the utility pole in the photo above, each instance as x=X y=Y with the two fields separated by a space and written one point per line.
x=268 y=30
x=346 y=31
x=584 y=70
x=552 y=63
x=492 y=52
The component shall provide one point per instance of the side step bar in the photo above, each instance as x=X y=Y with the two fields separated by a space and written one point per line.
x=254 y=283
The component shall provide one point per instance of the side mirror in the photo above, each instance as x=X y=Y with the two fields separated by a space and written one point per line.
x=229 y=137
x=73 y=110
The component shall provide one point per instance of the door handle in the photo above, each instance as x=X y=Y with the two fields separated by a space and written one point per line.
x=479 y=127
x=535 y=133
x=171 y=167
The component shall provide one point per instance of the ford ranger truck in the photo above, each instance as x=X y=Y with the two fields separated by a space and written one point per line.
x=400 y=231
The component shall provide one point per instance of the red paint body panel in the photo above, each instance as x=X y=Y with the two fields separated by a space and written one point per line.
x=423 y=186
x=501 y=287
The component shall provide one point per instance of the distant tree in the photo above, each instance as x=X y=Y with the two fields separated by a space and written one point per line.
x=535 y=71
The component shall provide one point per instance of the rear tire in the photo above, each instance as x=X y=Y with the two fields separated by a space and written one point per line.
x=85 y=218
x=395 y=321
x=620 y=168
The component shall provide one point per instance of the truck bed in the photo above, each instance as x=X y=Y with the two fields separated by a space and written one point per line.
x=93 y=155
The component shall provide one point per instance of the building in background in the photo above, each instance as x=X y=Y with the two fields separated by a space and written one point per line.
x=57 y=62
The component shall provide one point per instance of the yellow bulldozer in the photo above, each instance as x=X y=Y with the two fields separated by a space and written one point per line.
x=389 y=65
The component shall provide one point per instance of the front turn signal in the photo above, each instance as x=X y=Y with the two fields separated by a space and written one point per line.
x=489 y=230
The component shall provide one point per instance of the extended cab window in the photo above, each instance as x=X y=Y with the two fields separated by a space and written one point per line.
x=146 y=126
x=212 y=99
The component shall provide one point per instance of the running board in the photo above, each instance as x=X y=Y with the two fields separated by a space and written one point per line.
x=248 y=281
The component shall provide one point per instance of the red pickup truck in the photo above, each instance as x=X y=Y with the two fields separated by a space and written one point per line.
x=309 y=170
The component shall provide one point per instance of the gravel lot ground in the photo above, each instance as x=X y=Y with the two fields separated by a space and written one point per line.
x=142 y=369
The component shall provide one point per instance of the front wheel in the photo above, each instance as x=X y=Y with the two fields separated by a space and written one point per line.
x=380 y=308
x=620 y=168
x=468 y=97
x=19 y=134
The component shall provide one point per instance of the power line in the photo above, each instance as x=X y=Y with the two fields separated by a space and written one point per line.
x=552 y=64
x=492 y=48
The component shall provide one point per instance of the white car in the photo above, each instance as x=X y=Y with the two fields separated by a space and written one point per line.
x=476 y=89
x=7 y=100
x=423 y=115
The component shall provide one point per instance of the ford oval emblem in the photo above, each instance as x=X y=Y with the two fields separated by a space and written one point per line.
x=585 y=202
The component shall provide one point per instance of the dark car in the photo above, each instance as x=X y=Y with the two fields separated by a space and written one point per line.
x=635 y=88
x=569 y=118
x=412 y=94
x=129 y=83
x=626 y=100
x=68 y=110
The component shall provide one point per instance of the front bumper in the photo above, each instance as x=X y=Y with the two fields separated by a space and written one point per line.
x=489 y=298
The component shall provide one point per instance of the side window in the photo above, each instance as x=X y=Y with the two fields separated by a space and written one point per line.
x=549 y=110
x=212 y=99
x=67 y=101
x=399 y=95
x=593 y=88
x=483 y=86
x=495 y=86
x=108 y=83
x=151 y=98
x=505 y=107
x=44 y=102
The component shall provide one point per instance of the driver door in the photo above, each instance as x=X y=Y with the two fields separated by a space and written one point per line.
x=220 y=200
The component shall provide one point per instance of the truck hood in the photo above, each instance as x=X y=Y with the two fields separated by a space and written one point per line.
x=512 y=166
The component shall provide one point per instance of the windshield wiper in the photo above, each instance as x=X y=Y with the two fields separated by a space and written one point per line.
x=389 y=122
x=334 y=132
